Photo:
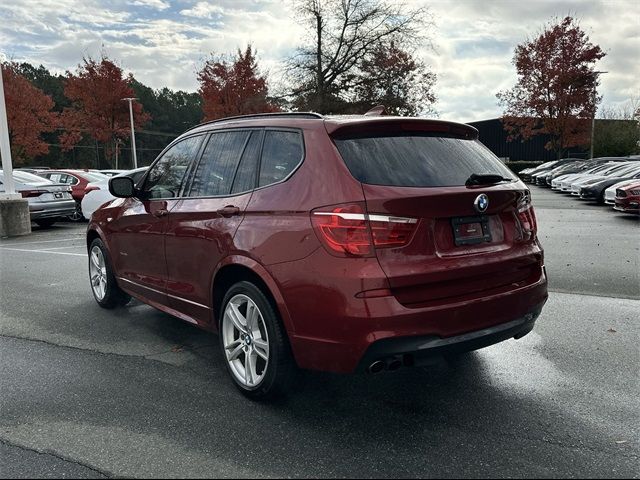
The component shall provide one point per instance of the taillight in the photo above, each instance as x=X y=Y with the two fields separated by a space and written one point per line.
x=527 y=218
x=90 y=188
x=389 y=231
x=31 y=193
x=347 y=230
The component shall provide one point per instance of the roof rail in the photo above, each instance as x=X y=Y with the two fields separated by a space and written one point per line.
x=261 y=115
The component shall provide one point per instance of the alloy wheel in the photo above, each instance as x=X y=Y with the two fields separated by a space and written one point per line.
x=245 y=340
x=76 y=216
x=98 y=273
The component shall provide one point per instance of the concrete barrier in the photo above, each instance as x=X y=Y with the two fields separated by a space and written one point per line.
x=14 y=217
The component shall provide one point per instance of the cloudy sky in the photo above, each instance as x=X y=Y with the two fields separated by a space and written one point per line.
x=163 y=42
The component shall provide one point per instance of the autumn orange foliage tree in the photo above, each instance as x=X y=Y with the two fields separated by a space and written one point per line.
x=29 y=115
x=234 y=86
x=96 y=93
x=555 y=92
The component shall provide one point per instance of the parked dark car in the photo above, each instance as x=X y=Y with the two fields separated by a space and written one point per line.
x=595 y=190
x=77 y=180
x=330 y=243
x=48 y=201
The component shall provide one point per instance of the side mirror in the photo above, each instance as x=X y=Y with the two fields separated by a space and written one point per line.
x=121 y=187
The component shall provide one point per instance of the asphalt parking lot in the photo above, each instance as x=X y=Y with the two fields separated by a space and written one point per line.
x=92 y=393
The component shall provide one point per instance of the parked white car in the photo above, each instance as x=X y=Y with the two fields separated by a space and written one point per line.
x=563 y=182
x=112 y=173
x=97 y=194
x=566 y=182
x=610 y=193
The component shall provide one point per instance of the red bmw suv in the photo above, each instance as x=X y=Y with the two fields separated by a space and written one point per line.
x=341 y=244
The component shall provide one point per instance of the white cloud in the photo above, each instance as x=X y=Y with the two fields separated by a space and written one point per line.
x=203 y=10
x=163 y=43
x=157 y=4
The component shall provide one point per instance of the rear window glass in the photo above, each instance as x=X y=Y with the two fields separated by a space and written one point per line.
x=26 y=177
x=418 y=160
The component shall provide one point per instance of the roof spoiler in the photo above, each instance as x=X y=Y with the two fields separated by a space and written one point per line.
x=386 y=125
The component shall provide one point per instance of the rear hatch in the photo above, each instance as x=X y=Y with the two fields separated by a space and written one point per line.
x=39 y=190
x=418 y=173
x=43 y=193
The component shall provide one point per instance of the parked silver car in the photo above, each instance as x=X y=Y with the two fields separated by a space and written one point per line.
x=48 y=201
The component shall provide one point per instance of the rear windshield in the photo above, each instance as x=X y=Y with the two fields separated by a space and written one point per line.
x=29 y=178
x=417 y=160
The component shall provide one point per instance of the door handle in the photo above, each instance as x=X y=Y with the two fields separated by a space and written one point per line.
x=229 y=211
x=160 y=213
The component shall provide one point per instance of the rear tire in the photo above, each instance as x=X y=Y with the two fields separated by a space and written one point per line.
x=77 y=216
x=45 y=222
x=251 y=331
x=103 y=283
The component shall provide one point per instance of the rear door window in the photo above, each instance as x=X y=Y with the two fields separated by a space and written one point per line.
x=245 y=179
x=417 y=160
x=282 y=152
x=216 y=170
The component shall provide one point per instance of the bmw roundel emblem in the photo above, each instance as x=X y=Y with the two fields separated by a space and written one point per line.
x=481 y=203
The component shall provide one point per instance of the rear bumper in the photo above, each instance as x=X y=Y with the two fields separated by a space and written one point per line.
x=334 y=330
x=421 y=350
x=51 y=209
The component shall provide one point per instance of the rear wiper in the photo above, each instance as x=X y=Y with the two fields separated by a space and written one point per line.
x=485 y=179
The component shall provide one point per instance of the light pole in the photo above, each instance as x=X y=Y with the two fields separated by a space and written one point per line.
x=595 y=109
x=5 y=147
x=133 y=132
x=14 y=210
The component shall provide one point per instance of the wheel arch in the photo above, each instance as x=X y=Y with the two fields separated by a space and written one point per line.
x=237 y=268
x=95 y=231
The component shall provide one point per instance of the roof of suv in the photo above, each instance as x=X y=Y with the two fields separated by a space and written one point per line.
x=333 y=123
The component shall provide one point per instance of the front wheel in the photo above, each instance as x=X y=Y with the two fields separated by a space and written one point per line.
x=255 y=344
x=103 y=282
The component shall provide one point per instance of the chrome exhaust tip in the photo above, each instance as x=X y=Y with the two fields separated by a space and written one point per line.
x=377 y=366
x=394 y=364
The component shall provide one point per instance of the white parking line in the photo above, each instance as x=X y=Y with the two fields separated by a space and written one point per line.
x=42 y=251
x=62 y=248
x=45 y=241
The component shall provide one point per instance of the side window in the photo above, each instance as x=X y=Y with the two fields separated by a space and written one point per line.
x=71 y=180
x=281 y=153
x=217 y=167
x=165 y=177
x=246 y=175
x=54 y=177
